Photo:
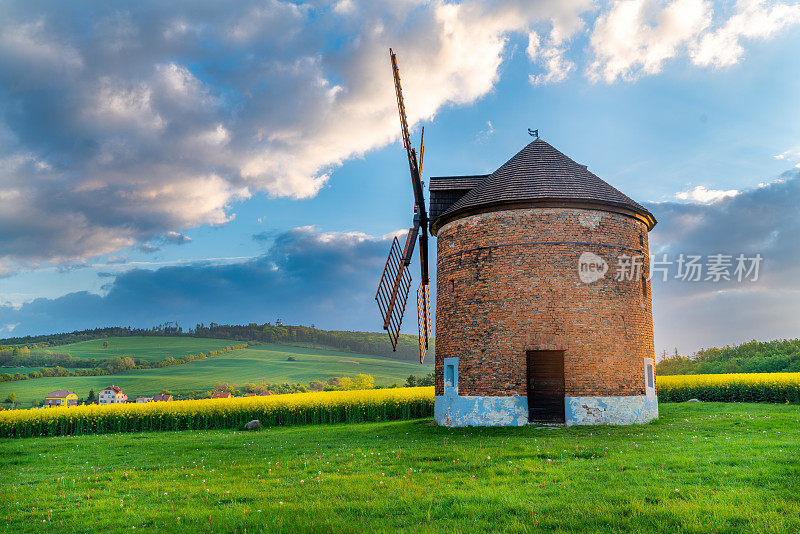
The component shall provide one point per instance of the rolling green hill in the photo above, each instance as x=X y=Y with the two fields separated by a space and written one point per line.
x=147 y=348
x=261 y=363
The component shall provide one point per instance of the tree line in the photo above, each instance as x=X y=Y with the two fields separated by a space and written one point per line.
x=779 y=356
x=345 y=341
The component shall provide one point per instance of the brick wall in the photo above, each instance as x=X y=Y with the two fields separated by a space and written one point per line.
x=508 y=282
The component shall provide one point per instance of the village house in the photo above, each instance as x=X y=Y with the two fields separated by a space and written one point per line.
x=112 y=395
x=61 y=397
x=220 y=395
x=162 y=397
x=144 y=399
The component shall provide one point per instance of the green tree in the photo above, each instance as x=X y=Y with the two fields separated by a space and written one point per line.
x=105 y=344
x=92 y=398
x=12 y=399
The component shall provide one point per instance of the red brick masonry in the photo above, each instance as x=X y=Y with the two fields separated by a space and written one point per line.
x=508 y=282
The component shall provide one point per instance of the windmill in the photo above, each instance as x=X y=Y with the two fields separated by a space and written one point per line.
x=395 y=281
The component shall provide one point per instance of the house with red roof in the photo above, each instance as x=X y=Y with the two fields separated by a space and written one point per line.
x=112 y=395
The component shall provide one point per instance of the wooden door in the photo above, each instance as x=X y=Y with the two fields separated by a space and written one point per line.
x=546 y=386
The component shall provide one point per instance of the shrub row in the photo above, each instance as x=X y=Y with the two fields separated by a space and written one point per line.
x=293 y=409
x=740 y=387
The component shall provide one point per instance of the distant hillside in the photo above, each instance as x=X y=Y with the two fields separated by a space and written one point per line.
x=262 y=363
x=358 y=342
x=752 y=357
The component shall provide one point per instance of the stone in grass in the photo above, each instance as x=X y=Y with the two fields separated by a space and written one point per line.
x=252 y=425
x=693 y=400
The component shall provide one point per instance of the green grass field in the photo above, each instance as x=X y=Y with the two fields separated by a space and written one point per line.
x=152 y=348
x=704 y=467
x=263 y=362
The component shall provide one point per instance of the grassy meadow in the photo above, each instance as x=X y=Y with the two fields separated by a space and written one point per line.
x=259 y=363
x=152 y=348
x=702 y=467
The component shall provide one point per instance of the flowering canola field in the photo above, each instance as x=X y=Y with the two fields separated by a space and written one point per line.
x=739 y=387
x=344 y=407
x=295 y=409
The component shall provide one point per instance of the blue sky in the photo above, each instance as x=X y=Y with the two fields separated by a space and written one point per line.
x=242 y=164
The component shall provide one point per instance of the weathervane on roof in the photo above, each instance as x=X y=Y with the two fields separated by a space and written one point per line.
x=533 y=133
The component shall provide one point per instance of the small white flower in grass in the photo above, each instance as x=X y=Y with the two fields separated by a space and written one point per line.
x=280 y=502
x=677 y=490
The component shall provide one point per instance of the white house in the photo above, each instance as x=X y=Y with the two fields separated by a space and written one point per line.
x=112 y=395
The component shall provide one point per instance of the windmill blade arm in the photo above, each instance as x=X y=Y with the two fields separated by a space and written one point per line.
x=421 y=150
x=423 y=256
x=411 y=241
x=424 y=320
x=401 y=108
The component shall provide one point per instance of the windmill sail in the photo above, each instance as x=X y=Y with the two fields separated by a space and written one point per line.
x=396 y=279
x=393 y=291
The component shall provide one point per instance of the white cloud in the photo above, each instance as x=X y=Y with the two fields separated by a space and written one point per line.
x=788 y=155
x=704 y=195
x=172 y=116
x=160 y=119
x=551 y=57
x=486 y=133
x=753 y=19
x=177 y=238
x=637 y=37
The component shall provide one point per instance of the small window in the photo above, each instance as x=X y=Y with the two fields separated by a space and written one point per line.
x=650 y=377
x=452 y=286
x=449 y=375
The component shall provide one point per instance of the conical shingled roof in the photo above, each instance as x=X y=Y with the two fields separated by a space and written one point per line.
x=541 y=174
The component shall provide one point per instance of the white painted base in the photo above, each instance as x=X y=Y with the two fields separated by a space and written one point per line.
x=452 y=410
x=610 y=410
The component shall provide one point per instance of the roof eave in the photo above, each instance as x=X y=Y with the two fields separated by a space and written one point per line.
x=623 y=209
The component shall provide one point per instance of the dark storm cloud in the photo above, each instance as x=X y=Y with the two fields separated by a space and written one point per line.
x=764 y=221
x=305 y=277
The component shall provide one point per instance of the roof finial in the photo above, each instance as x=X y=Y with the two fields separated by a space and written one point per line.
x=533 y=133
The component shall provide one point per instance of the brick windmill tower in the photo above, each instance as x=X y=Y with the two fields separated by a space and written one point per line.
x=543 y=307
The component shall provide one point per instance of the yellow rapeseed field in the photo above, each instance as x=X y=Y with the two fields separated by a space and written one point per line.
x=344 y=406
x=739 y=387
x=293 y=409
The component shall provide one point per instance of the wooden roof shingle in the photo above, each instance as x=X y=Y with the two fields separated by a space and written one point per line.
x=540 y=173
